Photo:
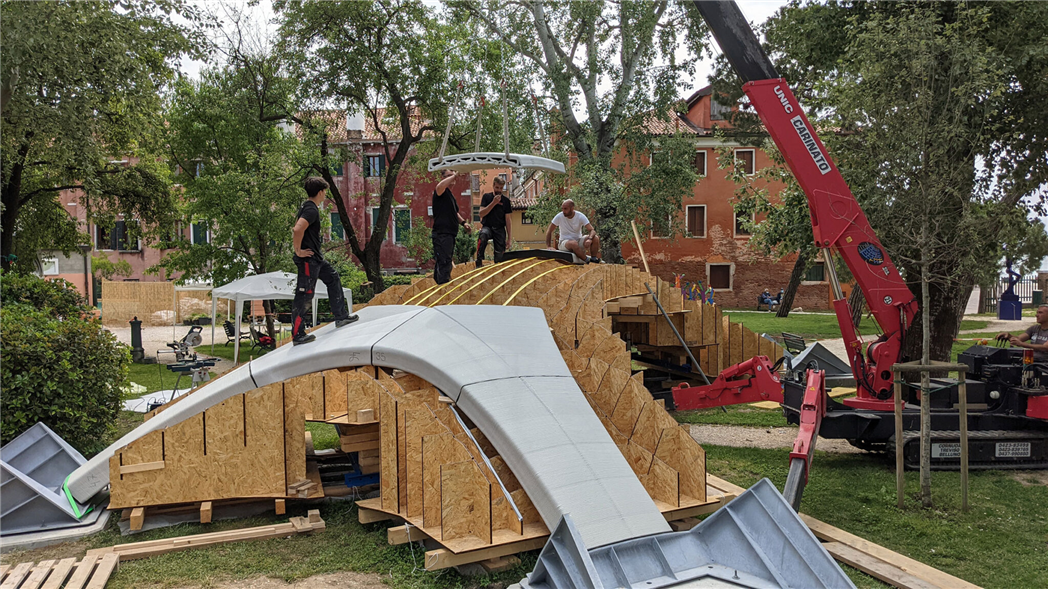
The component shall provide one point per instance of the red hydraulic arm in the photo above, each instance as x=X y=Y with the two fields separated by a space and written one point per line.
x=751 y=381
x=813 y=409
x=838 y=223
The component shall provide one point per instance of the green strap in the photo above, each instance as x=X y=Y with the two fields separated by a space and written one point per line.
x=76 y=506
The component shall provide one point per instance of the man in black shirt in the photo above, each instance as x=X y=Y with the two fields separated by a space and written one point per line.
x=311 y=265
x=495 y=211
x=446 y=221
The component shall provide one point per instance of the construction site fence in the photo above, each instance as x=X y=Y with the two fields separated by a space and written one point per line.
x=155 y=303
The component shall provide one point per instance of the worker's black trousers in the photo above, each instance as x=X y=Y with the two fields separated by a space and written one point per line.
x=497 y=235
x=309 y=270
x=443 y=248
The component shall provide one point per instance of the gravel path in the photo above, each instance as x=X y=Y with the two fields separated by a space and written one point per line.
x=738 y=436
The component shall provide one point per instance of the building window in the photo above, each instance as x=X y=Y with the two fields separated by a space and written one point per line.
x=745 y=160
x=525 y=218
x=374 y=165
x=696 y=220
x=817 y=273
x=719 y=276
x=651 y=158
x=336 y=227
x=700 y=162
x=740 y=230
x=336 y=169
x=401 y=224
x=199 y=169
x=661 y=229
x=49 y=266
x=116 y=238
x=476 y=213
x=201 y=233
x=505 y=178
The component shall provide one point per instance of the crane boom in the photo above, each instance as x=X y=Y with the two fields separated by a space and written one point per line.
x=838 y=222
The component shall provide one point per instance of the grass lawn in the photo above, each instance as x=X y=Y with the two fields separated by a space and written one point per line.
x=733 y=415
x=999 y=543
x=813 y=325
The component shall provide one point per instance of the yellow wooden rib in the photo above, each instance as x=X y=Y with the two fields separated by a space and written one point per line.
x=452 y=286
x=425 y=292
x=503 y=283
x=501 y=267
x=528 y=283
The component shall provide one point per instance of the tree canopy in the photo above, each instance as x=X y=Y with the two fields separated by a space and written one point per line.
x=81 y=87
x=617 y=63
x=935 y=114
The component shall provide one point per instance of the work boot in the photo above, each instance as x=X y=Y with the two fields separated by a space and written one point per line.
x=346 y=321
x=593 y=260
x=303 y=339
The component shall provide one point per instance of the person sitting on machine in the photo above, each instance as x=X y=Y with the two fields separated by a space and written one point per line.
x=1034 y=338
x=571 y=223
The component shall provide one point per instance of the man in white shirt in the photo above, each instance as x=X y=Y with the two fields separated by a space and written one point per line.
x=572 y=224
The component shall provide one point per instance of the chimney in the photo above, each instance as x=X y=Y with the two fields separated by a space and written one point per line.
x=354 y=125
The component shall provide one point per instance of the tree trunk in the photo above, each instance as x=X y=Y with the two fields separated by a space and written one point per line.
x=856 y=302
x=791 y=289
x=373 y=269
x=944 y=312
x=271 y=328
x=926 y=388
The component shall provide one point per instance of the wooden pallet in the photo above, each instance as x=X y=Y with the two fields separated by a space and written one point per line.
x=92 y=572
x=121 y=552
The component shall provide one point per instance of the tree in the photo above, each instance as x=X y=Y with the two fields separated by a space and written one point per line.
x=387 y=59
x=941 y=131
x=621 y=59
x=241 y=177
x=81 y=85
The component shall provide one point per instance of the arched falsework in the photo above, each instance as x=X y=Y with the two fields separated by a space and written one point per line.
x=501 y=368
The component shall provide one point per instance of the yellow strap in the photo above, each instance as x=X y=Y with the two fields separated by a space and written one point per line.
x=420 y=294
x=503 y=283
x=528 y=283
x=500 y=268
x=454 y=284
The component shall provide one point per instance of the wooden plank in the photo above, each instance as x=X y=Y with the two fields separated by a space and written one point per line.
x=59 y=574
x=4 y=568
x=630 y=403
x=205 y=512
x=443 y=558
x=83 y=572
x=104 y=570
x=876 y=567
x=648 y=430
x=662 y=483
x=608 y=392
x=828 y=533
x=143 y=467
x=164 y=546
x=38 y=574
x=365 y=415
x=336 y=399
x=682 y=453
x=370 y=516
x=138 y=515
x=389 y=490
x=419 y=423
x=465 y=502
x=280 y=507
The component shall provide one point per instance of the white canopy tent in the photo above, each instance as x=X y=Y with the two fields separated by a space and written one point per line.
x=272 y=285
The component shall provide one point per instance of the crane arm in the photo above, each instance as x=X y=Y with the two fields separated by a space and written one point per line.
x=838 y=223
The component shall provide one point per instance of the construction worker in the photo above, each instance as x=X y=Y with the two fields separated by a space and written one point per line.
x=495 y=211
x=571 y=224
x=311 y=265
x=446 y=221
x=1034 y=338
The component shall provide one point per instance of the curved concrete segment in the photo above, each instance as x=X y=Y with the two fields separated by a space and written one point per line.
x=503 y=368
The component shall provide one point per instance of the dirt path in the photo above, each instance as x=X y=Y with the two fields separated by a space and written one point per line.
x=738 y=436
x=341 y=580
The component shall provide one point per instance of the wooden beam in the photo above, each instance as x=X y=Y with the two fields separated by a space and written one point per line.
x=155 y=547
x=38 y=574
x=138 y=516
x=16 y=575
x=876 y=567
x=59 y=574
x=143 y=467
x=205 y=512
x=104 y=570
x=280 y=506
x=443 y=558
x=368 y=516
x=828 y=533
x=404 y=534
x=83 y=572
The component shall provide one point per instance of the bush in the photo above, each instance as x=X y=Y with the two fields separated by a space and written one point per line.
x=465 y=247
x=58 y=296
x=58 y=366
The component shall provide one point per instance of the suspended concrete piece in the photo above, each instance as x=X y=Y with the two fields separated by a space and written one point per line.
x=33 y=468
x=467 y=162
x=757 y=540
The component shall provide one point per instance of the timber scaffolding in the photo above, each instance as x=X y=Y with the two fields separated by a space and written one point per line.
x=438 y=473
